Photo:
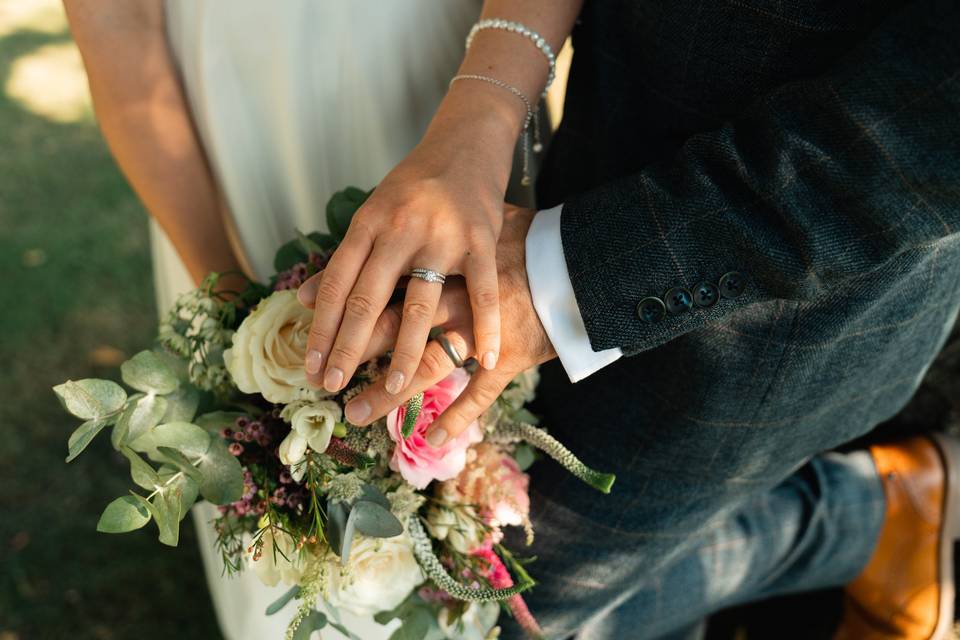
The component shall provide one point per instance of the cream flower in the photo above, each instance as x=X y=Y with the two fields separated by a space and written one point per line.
x=269 y=348
x=456 y=524
x=279 y=560
x=476 y=623
x=311 y=426
x=380 y=575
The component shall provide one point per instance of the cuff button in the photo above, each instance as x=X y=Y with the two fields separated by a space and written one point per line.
x=705 y=294
x=732 y=284
x=651 y=309
x=678 y=300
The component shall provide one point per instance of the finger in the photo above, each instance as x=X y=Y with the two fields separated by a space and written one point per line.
x=452 y=310
x=307 y=292
x=333 y=287
x=361 y=309
x=480 y=272
x=482 y=391
x=374 y=402
x=419 y=308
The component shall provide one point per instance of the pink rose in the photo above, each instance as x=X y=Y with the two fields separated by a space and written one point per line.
x=417 y=460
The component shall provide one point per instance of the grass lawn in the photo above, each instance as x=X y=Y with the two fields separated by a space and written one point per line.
x=76 y=296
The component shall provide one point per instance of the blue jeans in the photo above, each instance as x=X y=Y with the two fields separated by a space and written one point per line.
x=633 y=580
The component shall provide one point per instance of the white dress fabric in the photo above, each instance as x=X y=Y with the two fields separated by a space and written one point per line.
x=294 y=100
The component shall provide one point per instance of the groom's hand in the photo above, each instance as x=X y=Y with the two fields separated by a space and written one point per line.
x=524 y=342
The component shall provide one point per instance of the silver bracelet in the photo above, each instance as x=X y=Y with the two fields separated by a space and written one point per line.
x=526 y=32
x=531 y=117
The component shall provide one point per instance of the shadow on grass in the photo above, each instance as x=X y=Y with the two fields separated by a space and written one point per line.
x=76 y=293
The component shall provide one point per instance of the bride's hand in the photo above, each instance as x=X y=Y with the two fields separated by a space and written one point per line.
x=441 y=208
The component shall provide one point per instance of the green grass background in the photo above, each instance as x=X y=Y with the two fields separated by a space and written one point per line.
x=75 y=288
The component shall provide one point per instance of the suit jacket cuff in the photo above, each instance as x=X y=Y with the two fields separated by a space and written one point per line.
x=555 y=301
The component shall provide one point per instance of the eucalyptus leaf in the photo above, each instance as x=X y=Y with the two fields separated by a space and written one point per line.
x=307 y=244
x=221 y=480
x=142 y=413
x=373 y=494
x=337 y=513
x=143 y=474
x=180 y=461
x=373 y=520
x=524 y=415
x=282 y=601
x=188 y=488
x=82 y=436
x=168 y=514
x=525 y=455
x=190 y=439
x=91 y=398
x=414 y=626
x=122 y=515
x=182 y=404
x=148 y=373
x=324 y=240
x=214 y=421
x=347 y=542
x=314 y=621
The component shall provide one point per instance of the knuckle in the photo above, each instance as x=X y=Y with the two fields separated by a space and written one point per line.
x=359 y=304
x=328 y=289
x=484 y=298
x=480 y=239
x=417 y=311
x=343 y=353
x=434 y=363
x=317 y=335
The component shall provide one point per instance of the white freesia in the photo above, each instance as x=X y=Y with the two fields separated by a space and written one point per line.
x=311 y=426
x=269 y=348
x=279 y=560
x=380 y=575
x=476 y=623
x=457 y=524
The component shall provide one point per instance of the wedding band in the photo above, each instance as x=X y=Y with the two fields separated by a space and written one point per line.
x=450 y=350
x=428 y=275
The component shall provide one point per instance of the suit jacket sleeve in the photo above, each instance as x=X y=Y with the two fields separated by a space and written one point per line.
x=818 y=183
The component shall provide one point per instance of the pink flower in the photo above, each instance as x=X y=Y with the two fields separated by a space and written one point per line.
x=418 y=461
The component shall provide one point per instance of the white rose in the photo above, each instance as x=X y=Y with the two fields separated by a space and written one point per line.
x=311 y=425
x=476 y=623
x=285 y=563
x=457 y=524
x=269 y=349
x=380 y=575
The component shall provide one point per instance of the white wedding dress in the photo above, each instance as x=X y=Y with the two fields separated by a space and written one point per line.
x=293 y=100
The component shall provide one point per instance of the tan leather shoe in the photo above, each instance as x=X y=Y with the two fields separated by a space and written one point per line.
x=906 y=591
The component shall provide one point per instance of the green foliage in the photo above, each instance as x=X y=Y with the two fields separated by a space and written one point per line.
x=190 y=439
x=282 y=601
x=341 y=207
x=215 y=420
x=143 y=475
x=140 y=414
x=418 y=620
x=314 y=621
x=91 y=399
x=122 y=515
x=83 y=436
x=222 y=475
x=369 y=514
x=414 y=405
x=148 y=373
x=182 y=404
x=180 y=462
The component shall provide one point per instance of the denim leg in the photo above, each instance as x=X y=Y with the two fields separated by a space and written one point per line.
x=815 y=529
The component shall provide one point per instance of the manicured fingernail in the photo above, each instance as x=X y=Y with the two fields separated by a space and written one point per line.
x=437 y=437
x=394 y=382
x=357 y=411
x=307 y=293
x=489 y=360
x=314 y=361
x=333 y=379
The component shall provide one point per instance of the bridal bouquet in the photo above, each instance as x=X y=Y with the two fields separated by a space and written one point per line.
x=371 y=520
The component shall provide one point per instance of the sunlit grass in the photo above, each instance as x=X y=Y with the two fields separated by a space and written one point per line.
x=50 y=82
x=43 y=16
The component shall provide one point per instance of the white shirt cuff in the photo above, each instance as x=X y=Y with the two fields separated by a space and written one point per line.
x=555 y=301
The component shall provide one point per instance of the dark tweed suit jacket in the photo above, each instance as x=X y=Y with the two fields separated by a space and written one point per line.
x=813 y=148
